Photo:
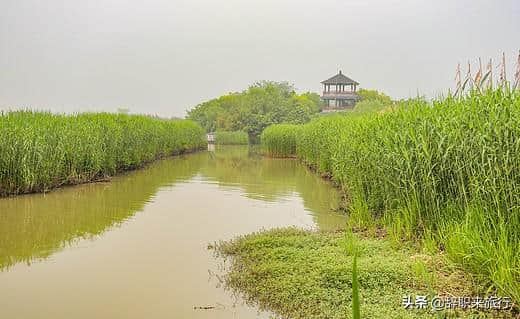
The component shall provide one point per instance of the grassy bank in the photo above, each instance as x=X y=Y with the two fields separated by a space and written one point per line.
x=303 y=274
x=40 y=151
x=231 y=138
x=445 y=174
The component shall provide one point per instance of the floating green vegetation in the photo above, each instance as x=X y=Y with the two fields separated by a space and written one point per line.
x=280 y=140
x=445 y=173
x=40 y=150
x=304 y=274
x=231 y=138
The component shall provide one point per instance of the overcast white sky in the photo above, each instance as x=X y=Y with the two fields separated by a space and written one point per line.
x=165 y=56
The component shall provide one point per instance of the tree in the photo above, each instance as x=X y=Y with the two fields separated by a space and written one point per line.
x=262 y=104
x=372 y=95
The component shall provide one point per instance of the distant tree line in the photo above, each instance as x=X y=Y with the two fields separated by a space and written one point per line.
x=262 y=104
x=372 y=101
x=374 y=95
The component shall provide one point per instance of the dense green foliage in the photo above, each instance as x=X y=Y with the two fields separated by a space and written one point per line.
x=365 y=106
x=231 y=138
x=280 y=140
x=39 y=150
x=447 y=173
x=261 y=105
x=302 y=274
x=374 y=95
x=371 y=101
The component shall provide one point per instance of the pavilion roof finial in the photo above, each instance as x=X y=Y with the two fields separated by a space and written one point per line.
x=340 y=72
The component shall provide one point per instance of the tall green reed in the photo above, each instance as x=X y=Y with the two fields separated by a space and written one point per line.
x=280 y=140
x=40 y=150
x=231 y=138
x=446 y=171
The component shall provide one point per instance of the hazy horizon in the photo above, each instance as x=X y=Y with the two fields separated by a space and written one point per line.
x=164 y=57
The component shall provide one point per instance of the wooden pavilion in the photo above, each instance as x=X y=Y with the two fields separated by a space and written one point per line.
x=339 y=92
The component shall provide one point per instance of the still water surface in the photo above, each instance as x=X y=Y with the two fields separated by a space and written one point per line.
x=136 y=247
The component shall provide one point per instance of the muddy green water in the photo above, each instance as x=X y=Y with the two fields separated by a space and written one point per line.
x=136 y=247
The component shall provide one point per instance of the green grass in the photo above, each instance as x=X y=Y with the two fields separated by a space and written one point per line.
x=356 y=311
x=231 y=138
x=446 y=174
x=280 y=140
x=303 y=274
x=40 y=150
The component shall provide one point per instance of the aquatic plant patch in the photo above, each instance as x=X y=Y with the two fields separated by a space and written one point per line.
x=280 y=140
x=304 y=274
x=231 y=138
x=40 y=150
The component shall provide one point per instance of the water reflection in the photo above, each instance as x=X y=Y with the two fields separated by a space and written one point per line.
x=34 y=226
x=155 y=266
x=273 y=180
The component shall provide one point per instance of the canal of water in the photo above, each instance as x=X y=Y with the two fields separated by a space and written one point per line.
x=137 y=246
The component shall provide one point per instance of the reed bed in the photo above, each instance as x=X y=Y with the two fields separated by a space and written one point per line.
x=446 y=173
x=280 y=140
x=231 y=138
x=40 y=150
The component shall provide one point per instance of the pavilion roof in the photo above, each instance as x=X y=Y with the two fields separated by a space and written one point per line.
x=339 y=78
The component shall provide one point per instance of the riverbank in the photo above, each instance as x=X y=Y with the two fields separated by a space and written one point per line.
x=40 y=151
x=305 y=274
x=442 y=175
